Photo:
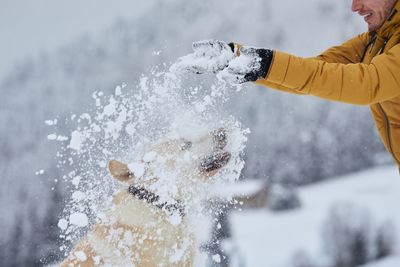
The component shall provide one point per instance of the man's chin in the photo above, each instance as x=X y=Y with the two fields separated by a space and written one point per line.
x=372 y=27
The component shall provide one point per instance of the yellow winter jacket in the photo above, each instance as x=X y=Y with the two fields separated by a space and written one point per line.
x=364 y=70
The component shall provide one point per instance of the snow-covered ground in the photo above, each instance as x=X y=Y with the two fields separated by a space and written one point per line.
x=270 y=239
x=388 y=262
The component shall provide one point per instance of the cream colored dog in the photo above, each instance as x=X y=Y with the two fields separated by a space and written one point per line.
x=147 y=224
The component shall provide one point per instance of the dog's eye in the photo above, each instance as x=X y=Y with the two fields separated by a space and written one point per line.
x=186 y=145
x=215 y=161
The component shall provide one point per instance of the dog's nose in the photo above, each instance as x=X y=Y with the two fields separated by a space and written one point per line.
x=215 y=161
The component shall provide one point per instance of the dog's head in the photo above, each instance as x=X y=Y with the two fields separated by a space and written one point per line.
x=182 y=161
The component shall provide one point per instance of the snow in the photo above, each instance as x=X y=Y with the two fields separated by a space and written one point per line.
x=52 y=137
x=240 y=66
x=78 y=196
x=216 y=258
x=76 y=180
x=76 y=140
x=118 y=90
x=62 y=224
x=227 y=190
x=393 y=261
x=263 y=236
x=40 y=172
x=150 y=156
x=79 y=219
x=175 y=219
x=62 y=138
x=137 y=168
x=110 y=108
x=177 y=255
x=208 y=56
x=80 y=255
x=96 y=260
x=51 y=122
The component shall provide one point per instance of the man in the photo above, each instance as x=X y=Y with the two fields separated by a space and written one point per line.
x=364 y=70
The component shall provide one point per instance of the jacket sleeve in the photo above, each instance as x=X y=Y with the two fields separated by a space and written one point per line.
x=355 y=83
x=349 y=52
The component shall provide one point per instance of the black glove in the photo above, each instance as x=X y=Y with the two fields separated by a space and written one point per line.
x=252 y=64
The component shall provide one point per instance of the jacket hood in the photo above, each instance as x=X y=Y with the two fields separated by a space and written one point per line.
x=391 y=24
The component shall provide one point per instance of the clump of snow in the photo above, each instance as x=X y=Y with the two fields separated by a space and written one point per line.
x=208 y=56
x=62 y=138
x=80 y=255
x=39 y=172
x=118 y=90
x=51 y=122
x=62 y=224
x=216 y=258
x=76 y=180
x=79 y=219
x=55 y=137
x=76 y=140
x=52 y=137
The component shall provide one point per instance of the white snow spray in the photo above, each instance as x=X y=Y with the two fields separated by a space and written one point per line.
x=163 y=104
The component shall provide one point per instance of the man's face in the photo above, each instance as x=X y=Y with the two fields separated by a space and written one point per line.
x=375 y=12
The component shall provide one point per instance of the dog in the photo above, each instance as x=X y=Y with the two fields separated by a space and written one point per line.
x=147 y=225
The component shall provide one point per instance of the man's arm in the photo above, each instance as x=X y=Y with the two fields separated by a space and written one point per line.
x=350 y=51
x=358 y=83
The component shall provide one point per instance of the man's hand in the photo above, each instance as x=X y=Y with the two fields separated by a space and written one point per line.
x=208 y=56
x=252 y=64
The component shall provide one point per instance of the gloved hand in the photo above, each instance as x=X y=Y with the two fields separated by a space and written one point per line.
x=252 y=64
x=208 y=56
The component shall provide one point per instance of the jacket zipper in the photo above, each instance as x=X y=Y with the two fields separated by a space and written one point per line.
x=386 y=120
x=388 y=136
x=368 y=47
x=385 y=117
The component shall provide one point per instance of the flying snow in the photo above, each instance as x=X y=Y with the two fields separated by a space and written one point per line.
x=123 y=125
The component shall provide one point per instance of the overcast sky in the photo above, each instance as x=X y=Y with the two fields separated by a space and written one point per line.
x=28 y=27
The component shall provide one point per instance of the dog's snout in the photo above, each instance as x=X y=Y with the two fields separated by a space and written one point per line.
x=220 y=138
x=215 y=161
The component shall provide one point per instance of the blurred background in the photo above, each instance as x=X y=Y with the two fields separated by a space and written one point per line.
x=326 y=190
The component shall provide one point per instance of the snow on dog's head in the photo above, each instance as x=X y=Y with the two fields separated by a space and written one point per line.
x=173 y=168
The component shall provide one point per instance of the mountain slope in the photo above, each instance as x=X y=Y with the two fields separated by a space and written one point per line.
x=270 y=239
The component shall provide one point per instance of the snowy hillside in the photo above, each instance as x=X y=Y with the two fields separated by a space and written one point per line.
x=268 y=239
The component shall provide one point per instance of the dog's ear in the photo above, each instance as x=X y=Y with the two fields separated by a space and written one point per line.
x=119 y=171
